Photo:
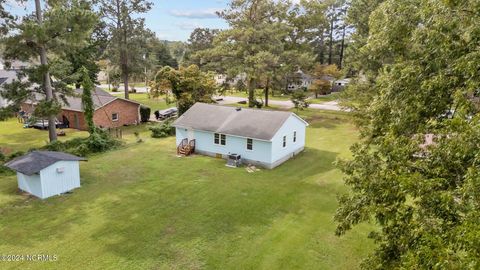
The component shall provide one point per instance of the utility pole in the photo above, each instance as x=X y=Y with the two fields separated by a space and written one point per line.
x=52 y=132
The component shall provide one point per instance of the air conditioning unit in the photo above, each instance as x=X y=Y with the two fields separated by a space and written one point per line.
x=234 y=160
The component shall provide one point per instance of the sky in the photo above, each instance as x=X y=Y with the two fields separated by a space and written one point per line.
x=169 y=19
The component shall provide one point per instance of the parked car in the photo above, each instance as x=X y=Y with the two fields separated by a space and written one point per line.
x=165 y=114
x=43 y=124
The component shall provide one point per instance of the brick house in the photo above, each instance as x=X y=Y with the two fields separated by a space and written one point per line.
x=110 y=111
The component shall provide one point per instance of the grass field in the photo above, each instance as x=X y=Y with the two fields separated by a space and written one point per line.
x=141 y=207
x=324 y=98
x=258 y=94
x=13 y=137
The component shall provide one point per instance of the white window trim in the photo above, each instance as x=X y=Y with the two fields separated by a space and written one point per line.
x=220 y=139
x=284 y=141
x=294 y=136
x=118 y=117
x=246 y=146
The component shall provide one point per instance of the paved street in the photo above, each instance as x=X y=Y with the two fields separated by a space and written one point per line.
x=330 y=106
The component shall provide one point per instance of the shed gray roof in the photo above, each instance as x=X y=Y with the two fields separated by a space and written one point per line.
x=248 y=123
x=36 y=161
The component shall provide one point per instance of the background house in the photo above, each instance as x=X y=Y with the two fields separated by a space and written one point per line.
x=339 y=85
x=6 y=76
x=261 y=137
x=45 y=174
x=299 y=80
x=110 y=111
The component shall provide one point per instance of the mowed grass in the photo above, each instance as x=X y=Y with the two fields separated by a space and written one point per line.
x=153 y=103
x=13 y=137
x=259 y=94
x=141 y=207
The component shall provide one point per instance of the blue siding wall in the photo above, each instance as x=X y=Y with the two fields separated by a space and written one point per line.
x=267 y=152
x=180 y=134
x=30 y=184
x=291 y=125
x=234 y=145
x=55 y=182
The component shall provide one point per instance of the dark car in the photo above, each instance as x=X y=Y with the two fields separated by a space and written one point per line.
x=43 y=124
x=165 y=114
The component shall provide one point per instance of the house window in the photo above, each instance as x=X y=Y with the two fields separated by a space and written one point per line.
x=223 y=139
x=294 y=136
x=249 y=144
x=284 y=141
x=220 y=139
x=114 y=116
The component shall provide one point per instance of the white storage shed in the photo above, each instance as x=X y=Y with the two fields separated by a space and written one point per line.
x=45 y=174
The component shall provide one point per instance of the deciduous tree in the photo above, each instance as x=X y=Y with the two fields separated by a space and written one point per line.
x=421 y=60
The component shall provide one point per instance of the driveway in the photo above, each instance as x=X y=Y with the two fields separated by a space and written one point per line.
x=287 y=104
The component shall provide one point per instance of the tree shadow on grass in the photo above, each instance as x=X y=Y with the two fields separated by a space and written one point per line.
x=174 y=220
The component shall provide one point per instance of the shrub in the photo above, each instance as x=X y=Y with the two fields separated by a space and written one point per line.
x=15 y=155
x=144 y=113
x=98 y=142
x=163 y=130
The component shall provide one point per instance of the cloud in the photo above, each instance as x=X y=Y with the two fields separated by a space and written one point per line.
x=195 y=14
x=188 y=25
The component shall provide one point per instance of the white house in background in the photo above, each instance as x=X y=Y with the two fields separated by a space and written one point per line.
x=262 y=137
x=8 y=73
x=339 y=85
x=45 y=174
x=6 y=76
x=221 y=79
x=299 y=80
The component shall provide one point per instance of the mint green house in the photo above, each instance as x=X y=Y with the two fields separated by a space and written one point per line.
x=262 y=137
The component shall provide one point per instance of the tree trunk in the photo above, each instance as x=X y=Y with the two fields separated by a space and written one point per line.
x=330 y=45
x=342 y=48
x=251 y=92
x=52 y=132
x=124 y=61
x=266 y=92
x=322 y=47
x=121 y=26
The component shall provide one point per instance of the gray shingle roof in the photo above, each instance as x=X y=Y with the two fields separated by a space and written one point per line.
x=100 y=98
x=36 y=161
x=248 y=123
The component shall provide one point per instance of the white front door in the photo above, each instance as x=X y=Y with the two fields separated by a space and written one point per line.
x=190 y=134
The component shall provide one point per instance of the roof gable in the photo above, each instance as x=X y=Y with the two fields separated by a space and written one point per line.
x=249 y=123
x=36 y=161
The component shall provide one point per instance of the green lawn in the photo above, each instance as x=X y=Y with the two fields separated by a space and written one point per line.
x=141 y=207
x=258 y=94
x=153 y=103
x=325 y=98
x=13 y=137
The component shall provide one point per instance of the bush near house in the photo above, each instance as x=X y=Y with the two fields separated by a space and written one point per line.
x=163 y=130
x=98 y=142
x=144 y=113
